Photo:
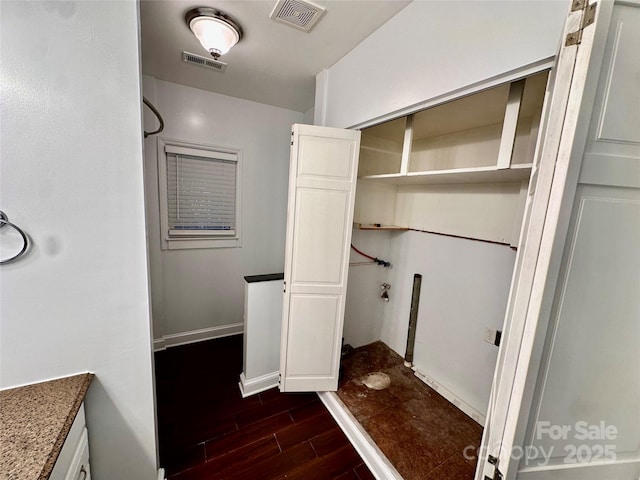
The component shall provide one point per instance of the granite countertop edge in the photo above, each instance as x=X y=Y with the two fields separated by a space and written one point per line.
x=36 y=421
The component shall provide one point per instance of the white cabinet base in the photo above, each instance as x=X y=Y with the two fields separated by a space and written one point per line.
x=259 y=384
x=73 y=461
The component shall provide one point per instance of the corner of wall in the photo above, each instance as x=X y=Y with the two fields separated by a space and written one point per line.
x=150 y=153
x=308 y=117
x=322 y=86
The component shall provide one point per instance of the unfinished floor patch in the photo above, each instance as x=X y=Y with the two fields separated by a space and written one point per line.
x=376 y=381
x=423 y=435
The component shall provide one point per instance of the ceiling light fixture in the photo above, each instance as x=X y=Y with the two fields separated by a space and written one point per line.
x=216 y=31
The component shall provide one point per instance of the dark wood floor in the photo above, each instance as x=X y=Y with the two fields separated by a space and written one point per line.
x=208 y=432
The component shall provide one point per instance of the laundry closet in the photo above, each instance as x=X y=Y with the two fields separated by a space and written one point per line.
x=441 y=193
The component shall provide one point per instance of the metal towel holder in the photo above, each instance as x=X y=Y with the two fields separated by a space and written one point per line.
x=4 y=222
x=158 y=116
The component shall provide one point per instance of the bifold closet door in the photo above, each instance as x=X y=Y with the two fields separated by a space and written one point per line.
x=566 y=395
x=322 y=182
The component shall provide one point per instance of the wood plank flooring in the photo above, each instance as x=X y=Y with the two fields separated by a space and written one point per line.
x=208 y=432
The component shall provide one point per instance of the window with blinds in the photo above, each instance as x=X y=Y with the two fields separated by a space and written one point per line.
x=201 y=194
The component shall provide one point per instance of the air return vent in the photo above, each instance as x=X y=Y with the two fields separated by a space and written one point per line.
x=297 y=13
x=204 y=61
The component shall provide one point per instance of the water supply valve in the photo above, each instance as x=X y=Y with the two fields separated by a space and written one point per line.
x=384 y=291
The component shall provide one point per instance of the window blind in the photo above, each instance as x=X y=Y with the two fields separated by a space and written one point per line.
x=201 y=192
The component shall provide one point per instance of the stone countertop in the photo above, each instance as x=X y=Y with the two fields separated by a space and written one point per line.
x=34 y=423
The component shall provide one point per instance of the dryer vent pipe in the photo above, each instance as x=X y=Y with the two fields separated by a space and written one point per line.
x=413 y=320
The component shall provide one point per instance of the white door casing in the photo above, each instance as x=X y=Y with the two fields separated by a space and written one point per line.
x=322 y=181
x=546 y=152
x=570 y=360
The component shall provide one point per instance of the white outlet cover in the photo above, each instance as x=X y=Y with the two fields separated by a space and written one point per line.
x=490 y=335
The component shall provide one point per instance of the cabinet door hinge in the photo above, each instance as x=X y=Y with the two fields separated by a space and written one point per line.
x=497 y=475
x=578 y=5
x=588 y=17
x=285 y=288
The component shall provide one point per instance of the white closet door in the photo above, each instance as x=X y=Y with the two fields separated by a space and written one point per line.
x=566 y=392
x=322 y=180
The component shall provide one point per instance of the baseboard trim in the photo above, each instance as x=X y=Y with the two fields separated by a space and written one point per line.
x=184 y=338
x=161 y=474
x=377 y=462
x=258 y=384
x=478 y=417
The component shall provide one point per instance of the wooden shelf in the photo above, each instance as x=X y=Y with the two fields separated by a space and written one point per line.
x=459 y=175
x=487 y=137
x=377 y=226
x=380 y=150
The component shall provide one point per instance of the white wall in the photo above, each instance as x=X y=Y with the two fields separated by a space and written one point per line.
x=308 y=117
x=482 y=211
x=364 y=308
x=375 y=203
x=431 y=48
x=71 y=149
x=486 y=211
x=201 y=289
x=465 y=286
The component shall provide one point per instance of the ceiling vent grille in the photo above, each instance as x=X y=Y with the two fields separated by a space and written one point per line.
x=205 y=62
x=297 y=13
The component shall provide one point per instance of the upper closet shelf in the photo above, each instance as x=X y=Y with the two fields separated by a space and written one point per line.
x=378 y=226
x=489 y=136
x=459 y=175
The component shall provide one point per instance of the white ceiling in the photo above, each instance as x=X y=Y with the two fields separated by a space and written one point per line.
x=273 y=63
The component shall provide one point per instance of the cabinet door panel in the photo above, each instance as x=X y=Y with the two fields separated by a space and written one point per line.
x=319 y=236
x=313 y=323
x=320 y=214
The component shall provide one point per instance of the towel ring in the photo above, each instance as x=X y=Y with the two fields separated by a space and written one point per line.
x=4 y=222
x=158 y=116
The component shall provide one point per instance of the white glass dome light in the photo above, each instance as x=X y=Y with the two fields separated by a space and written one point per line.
x=215 y=31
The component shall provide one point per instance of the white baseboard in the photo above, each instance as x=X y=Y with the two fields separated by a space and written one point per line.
x=379 y=465
x=258 y=384
x=175 y=339
x=452 y=397
x=161 y=474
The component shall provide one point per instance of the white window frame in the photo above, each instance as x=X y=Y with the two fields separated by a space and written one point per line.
x=181 y=242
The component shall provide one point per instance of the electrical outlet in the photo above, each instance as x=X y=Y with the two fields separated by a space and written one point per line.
x=490 y=335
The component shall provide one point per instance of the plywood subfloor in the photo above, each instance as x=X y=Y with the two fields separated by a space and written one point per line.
x=421 y=433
